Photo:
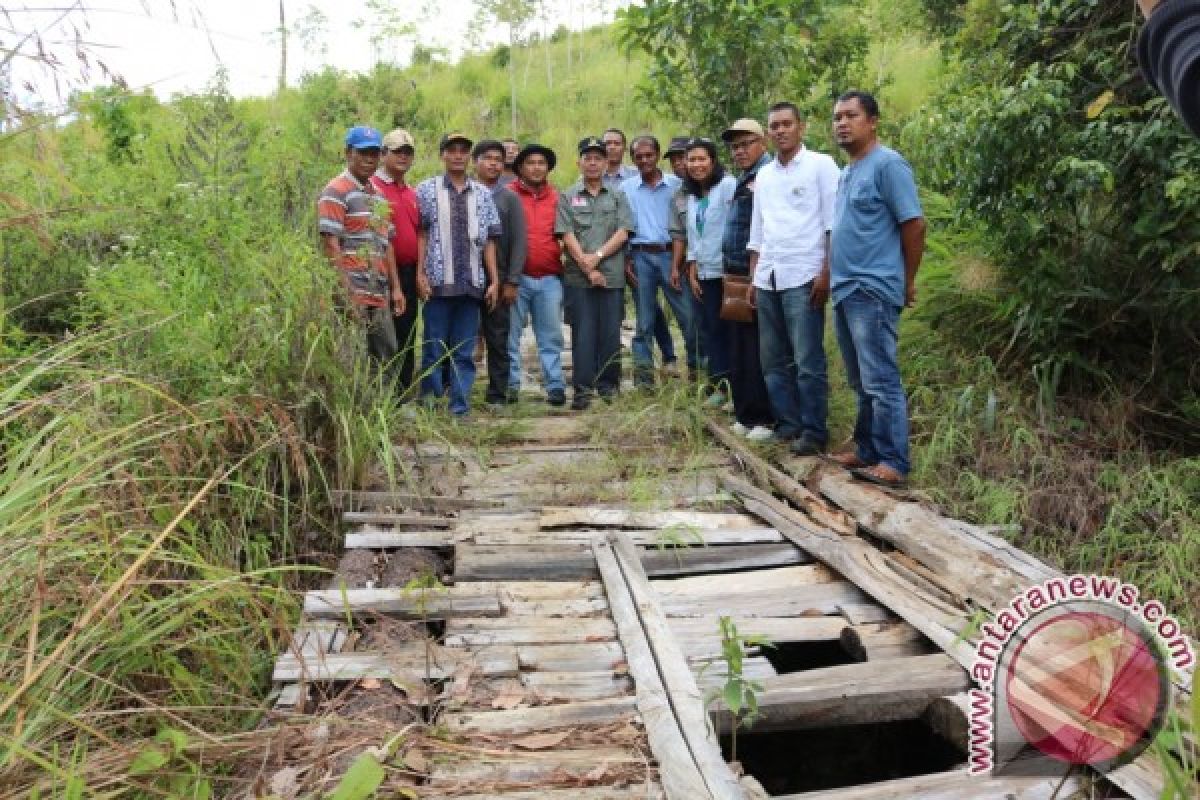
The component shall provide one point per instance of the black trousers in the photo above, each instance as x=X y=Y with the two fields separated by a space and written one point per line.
x=406 y=326
x=751 y=404
x=595 y=339
x=495 y=325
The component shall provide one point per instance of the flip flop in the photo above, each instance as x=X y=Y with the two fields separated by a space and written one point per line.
x=845 y=460
x=871 y=475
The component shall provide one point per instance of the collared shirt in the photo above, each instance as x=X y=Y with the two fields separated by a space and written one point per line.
x=875 y=196
x=593 y=220
x=737 y=228
x=651 y=207
x=793 y=210
x=357 y=215
x=702 y=224
x=613 y=180
x=458 y=225
x=544 y=251
x=405 y=218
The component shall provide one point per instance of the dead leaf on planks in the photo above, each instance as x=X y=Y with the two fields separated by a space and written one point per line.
x=511 y=696
x=543 y=741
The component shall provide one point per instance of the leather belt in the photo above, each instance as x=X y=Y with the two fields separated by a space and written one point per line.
x=650 y=248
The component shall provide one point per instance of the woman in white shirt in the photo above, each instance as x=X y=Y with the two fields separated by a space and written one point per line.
x=708 y=191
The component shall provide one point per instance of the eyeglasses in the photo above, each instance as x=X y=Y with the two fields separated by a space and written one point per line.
x=742 y=144
x=401 y=151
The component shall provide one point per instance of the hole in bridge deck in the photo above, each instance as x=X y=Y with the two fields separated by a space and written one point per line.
x=786 y=762
x=788 y=657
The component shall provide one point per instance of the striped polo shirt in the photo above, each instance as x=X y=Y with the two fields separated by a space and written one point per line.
x=358 y=216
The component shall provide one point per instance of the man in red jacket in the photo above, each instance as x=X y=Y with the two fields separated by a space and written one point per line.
x=389 y=181
x=540 y=293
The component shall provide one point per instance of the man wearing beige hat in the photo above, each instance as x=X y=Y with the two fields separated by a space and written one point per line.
x=388 y=180
x=751 y=405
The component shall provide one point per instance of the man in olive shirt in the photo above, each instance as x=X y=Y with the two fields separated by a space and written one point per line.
x=594 y=221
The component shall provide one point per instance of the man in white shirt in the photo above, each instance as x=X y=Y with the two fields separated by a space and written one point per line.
x=789 y=259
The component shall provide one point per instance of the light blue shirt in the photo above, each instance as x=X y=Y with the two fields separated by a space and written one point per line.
x=705 y=248
x=651 y=207
x=875 y=196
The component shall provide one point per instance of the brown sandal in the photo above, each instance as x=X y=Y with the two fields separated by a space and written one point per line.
x=846 y=460
x=881 y=475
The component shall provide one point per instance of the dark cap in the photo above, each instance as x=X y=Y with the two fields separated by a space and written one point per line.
x=678 y=145
x=529 y=150
x=486 y=145
x=592 y=143
x=453 y=137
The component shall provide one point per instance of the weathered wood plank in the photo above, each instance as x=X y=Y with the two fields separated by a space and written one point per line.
x=575 y=561
x=680 y=776
x=883 y=640
x=588 y=657
x=552 y=517
x=432 y=604
x=362 y=500
x=374 y=538
x=853 y=694
x=784 y=578
x=574 y=686
x=687 y=701
x=780 y=630
x=540 y=718
x=956 y=785
x=648 y=791
x=813 y=600
x=392 y=519
x=405 y=663
x=526 y=769
x=505 y=630
x=694 y=537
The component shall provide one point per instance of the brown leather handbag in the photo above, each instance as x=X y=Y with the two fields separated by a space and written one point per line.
x=735 y=298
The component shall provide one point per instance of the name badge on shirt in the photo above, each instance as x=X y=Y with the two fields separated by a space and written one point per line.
x=578 y=202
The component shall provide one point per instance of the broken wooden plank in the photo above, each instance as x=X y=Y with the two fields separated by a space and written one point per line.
x=363 y=500
x=687 y=701
x=406 y=663
x=813 y=600
x=574 y=686
x=554 y=517
x=852 y=694
x=452 y=601
x=386 y=539
x=785 y=578
x=664 y=538
x=877 y=641
x=780 y=630
x=575 y=561
x=395 y=520
x=949 y=717
x=586 y=657
x=505 y=630
x=955 y=785
x=680 y=776
x=523 y=769
x=541 y=718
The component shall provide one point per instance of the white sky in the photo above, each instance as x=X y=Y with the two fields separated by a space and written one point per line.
x=168 y=45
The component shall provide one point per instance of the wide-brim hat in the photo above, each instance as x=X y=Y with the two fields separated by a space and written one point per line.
x=530 y=149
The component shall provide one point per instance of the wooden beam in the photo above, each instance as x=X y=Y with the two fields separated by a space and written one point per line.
x=452 y=601
x=557 y=517
x=540 y=718
x=875 y=641
x=687 y=701
x=956 y=785
x=677 y=770
x=375 y=500
x=396 y=520
x=852 y=694
x=406 y=664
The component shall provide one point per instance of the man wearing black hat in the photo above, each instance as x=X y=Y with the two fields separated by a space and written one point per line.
x=456 y=270
x=510 y=263
x=676 y=152
x=540 y=292
x=594 y=222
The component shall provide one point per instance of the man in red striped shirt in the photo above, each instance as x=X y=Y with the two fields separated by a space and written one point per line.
x=388 y=180
x=540 y=293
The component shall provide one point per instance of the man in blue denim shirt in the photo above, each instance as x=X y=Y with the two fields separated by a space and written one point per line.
x=876 y=245
x=751 y=405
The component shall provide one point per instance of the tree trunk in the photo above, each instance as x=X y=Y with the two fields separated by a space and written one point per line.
x=512 y=79
x=283 y=37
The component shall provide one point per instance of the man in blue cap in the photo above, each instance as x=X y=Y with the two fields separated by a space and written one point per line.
x=355 y=229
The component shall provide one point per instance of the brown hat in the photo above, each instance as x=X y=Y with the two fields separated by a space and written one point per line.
x=743 y=125
x=395 y=139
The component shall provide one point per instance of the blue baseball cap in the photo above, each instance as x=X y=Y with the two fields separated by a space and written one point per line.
x=363 y=137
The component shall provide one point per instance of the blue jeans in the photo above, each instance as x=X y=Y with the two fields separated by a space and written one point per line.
x=451 y=327
x=715 y=333
x=867 y=333
x=541 y=299
x=791 y=343
x=653 y=271
x=662 y=335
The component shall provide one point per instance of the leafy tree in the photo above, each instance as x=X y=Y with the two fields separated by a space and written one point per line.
x=1090 y=188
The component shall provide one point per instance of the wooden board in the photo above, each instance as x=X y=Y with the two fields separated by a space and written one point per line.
x=540 y=718
x=853 y=694
x=372 y=500
x=442 y=603
x=784 y=579
x=552 y=517
x=572 y=686
x=692 y=537
x=370 y=536
x=392 y=519
x=649 y=791
x=406 y=664
x=956 y=785
x=813 y=600
x=780 y=630
x=484 y=631
x=523 y=769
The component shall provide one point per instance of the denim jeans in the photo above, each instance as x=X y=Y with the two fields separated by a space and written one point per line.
x=867 y=333
x=653 y=271
x=595 y=339
x=451 y=327
x=662 y=335
x=541 y=299
x=715 y=333
x=791 y=342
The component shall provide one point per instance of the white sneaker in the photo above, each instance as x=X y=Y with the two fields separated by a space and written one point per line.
x=739 y=429
x=760 y=433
